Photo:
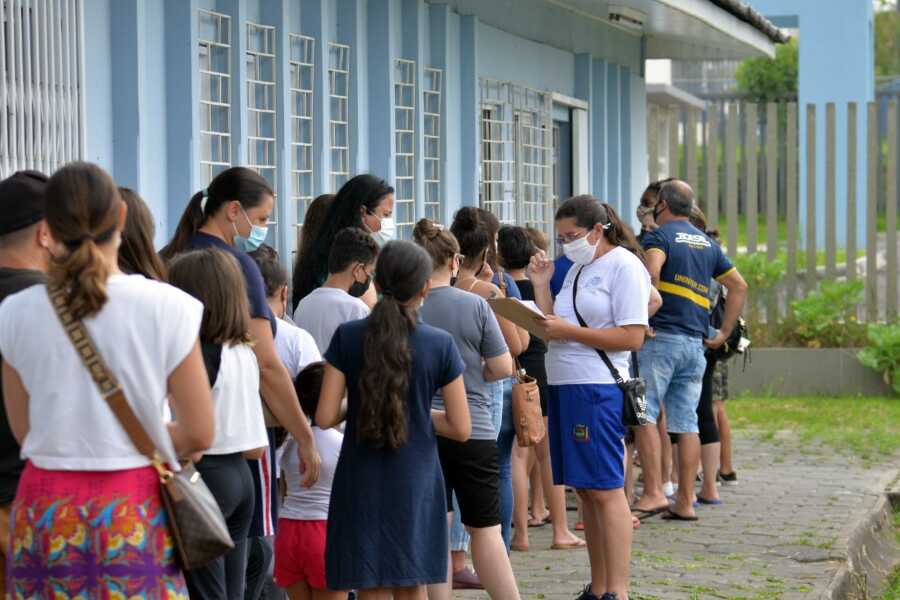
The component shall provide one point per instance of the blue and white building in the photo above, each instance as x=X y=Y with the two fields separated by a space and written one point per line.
x=510 y=104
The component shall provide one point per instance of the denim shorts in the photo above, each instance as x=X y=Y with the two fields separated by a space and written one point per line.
x=672 y=366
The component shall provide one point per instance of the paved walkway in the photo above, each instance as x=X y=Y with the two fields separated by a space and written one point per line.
x=780 y=533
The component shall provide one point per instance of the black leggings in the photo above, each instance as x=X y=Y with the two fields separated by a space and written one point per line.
x=228 y=478
x=706 y=415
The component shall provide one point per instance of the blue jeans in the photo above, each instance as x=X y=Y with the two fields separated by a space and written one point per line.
x=672 y=366
x=506 y=435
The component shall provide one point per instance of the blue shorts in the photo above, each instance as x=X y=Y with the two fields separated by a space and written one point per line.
x=672 y=365
x=587 y=450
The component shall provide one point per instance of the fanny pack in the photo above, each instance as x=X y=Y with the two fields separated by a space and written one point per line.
x=634 y=407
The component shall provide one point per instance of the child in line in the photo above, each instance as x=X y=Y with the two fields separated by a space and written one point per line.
x=387 y=521
x=300 y=541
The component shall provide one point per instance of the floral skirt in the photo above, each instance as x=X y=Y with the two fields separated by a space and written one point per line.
x=91 y=534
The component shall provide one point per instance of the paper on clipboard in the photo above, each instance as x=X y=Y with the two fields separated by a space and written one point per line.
x=526 y=314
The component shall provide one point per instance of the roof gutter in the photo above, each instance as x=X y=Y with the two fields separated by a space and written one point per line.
x=749 y=15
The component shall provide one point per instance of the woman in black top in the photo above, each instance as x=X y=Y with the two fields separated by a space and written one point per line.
x=515 y=250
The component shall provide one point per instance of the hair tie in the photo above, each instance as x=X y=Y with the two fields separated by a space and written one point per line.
x=203 y=200
x=607 y=226
x=387 y=293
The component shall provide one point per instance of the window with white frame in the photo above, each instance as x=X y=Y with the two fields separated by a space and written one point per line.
x=405 y=152
x=215 y=94
x=261 y=108
x=534 y=159
x=339 y=105
x=302 y=64
x=40 y=84
x=432 y=90
x=497 y=151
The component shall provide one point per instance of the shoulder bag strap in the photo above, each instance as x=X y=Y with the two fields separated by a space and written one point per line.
x=106 y=382
x=613 y=371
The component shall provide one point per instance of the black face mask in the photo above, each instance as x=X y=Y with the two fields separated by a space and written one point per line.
x=358 y=288
x=656 y=213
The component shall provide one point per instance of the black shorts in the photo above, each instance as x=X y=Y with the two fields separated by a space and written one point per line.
x=472 y=470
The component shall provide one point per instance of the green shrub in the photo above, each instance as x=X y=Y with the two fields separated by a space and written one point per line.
x=883 y=352
x=762 y=276
x=826 y=318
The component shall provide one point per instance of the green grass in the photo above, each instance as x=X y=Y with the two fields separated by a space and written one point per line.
x=864 y=426
x=892 y=588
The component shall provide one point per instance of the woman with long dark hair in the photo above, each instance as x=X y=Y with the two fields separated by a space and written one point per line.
x=137 y=255
x=603 y=305
x=88 y=520
x=315 y=216
x=366 y=202
x=231 y=215
x=387 y=522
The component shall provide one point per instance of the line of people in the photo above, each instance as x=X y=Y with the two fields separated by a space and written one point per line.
x=355 y=427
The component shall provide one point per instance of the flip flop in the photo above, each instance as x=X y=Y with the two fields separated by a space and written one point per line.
x=541 y=523
x=579 y=526
x=569 y=545
x=674 y=516
x=642 y=514
x=703 y=500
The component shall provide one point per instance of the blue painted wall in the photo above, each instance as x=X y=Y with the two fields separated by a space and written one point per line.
x=836 y=64
x=142 y=92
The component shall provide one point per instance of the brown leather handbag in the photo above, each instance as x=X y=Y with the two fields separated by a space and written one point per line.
x=198 y=527
x=526 y=409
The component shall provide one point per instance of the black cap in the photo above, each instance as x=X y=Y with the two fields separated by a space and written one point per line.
x=21 y=200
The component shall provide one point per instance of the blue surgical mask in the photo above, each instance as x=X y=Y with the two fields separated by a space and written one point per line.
x=258 y=235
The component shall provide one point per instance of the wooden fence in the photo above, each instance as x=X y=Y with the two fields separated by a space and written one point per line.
x=742 y=159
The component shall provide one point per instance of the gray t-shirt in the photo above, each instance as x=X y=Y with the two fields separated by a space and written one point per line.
x=324 y=309
x=471 y=322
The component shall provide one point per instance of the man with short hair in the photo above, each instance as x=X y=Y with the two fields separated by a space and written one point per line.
x=682 y=261
x=24 y=259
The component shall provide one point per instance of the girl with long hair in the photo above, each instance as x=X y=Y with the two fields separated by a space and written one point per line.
x=387 y=522
x=137 y=253
x=603 y=305
x=88 y=519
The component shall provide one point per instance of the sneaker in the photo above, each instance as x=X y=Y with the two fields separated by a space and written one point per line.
x=587 y=594
x=609 y=596
x=728 y=478
x=668 y=489
x=467 y=579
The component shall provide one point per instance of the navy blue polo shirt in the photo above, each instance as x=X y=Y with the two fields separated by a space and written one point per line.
x=693 y=260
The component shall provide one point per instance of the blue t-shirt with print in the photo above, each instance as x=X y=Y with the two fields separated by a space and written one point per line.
x=693 y=260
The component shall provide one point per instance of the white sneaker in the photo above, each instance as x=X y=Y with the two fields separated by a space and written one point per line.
x=668 y=488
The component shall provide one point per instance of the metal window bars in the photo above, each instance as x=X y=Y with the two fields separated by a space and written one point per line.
x=431 y=150
x=261 y=109
x=41 y=74
x=405 y=152
x=215 y=93
x=339 y=111
x=517 y=154
x=302 y=68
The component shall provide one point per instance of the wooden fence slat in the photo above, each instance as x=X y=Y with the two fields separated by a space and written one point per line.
x=872 y=213
x=751 y=192
x=791 y=201
x=690 y=148
x=810 y=197
x=830 y=206
x=653 y=143
x=674 y=114
x=891 y=212
x=731 y=199
x=712 y=167
x=851 y=190
x=771 y=180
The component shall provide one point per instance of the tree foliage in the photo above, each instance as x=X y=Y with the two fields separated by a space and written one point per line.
x=887 y=43
x=770 y=79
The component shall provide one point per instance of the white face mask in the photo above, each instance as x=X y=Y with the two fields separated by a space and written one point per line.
x=387 y=232
x=580 y=251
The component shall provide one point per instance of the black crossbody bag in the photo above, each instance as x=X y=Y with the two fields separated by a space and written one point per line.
x=634 y=407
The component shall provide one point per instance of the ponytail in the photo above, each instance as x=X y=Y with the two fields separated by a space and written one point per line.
x=82 y=211
x=235 y=184
x=620 y=234
x=401 y=273
x=437 y=242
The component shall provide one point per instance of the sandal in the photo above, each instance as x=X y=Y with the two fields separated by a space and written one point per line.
x=569 y=545
x=674 y=516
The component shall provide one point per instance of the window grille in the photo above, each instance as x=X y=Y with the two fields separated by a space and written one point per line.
x=40 y=84
x=339 y=122
x=405 y=153
x=302 y=65
x=261 y=109
x=497 y=151
x=215 y=94
x=431 y=152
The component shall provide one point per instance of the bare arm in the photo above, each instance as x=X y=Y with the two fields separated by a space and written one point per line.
x=454 y=422
x=331 y=407
x=193 y=429
x=499 y=367
x=540 y=271
x=734 y=303
x=278 y=393
x=15 y=399
x=656 y=302
x=654 y=259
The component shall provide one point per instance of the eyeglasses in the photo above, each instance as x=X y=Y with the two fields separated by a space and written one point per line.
x=571 y=237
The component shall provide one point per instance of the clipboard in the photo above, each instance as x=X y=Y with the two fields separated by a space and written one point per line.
x=520 y=314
